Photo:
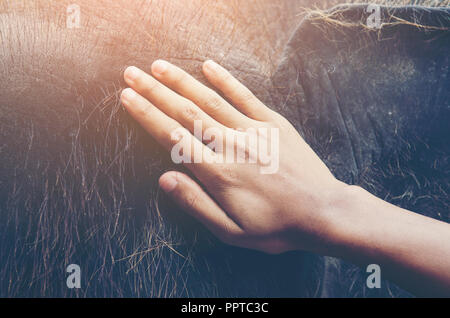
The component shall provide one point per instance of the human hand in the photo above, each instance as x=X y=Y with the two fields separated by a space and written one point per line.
x=273 y=199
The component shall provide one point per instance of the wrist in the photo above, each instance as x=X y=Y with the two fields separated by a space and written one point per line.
x=344 y=220
x=323 y=223
x=356 y=228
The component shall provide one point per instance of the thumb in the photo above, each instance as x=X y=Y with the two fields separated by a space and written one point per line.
x=193 y=199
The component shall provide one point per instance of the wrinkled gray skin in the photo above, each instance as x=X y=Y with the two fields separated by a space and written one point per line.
x=79 y=178
x=375 y=106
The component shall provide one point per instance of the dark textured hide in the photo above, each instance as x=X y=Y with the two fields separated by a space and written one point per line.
x=78 y=185
x=79 y=177
x=375 y=105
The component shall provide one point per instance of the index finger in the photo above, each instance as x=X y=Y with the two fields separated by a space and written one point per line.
x=170 y=134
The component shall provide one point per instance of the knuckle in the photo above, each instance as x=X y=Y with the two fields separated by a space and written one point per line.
x=179 y=79
x=214 y=103
x=226 y=175
x=233 y=86
x=152 y=87
x=191 y=201
x=225 y=77
x=190 y=113
x=177 y=134
x=145 y=110
x=246 y=96
x=227 y=235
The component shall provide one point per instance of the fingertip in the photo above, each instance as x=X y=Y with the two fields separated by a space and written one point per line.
x=127 y=96
x=131 y=74
x=168 y=181
x=210 y=66
x=159 y=67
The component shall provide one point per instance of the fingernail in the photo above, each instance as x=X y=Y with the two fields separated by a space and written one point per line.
x=159 y=67
x=128 y=95
x=132 y=73
x=211 y=65
x=168 y=183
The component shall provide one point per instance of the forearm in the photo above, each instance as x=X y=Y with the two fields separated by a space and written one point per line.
x=411 y=249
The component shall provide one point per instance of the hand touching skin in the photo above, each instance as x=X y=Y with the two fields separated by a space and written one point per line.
x=243 y=206
x=298 y=206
